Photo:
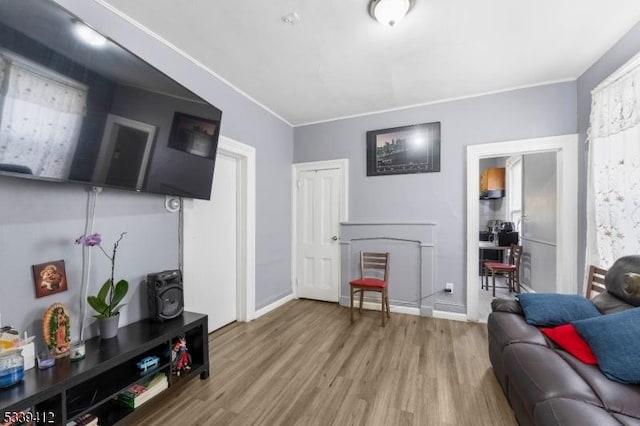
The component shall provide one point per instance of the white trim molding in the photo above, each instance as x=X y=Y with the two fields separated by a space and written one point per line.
x=396 y=309
x=628 y=66
x=272 y=306
x=155 y=36
x=246 y=273
x=566 y=147
x=438 y=101
x=408 y=310
x=452 y=316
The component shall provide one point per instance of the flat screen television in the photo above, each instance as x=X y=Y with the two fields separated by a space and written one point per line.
x=78 y=107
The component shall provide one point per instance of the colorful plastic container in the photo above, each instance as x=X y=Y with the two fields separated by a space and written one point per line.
x=11 y=367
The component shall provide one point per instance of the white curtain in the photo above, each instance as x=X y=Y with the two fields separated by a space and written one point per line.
x=613 y=210
x=40 y=120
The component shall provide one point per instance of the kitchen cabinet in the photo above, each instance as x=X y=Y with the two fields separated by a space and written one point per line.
x=492 y=183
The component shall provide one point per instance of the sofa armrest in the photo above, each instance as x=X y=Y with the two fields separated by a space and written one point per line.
x=506 y=305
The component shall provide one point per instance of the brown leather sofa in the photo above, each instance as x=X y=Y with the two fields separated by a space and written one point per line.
x=547 y=386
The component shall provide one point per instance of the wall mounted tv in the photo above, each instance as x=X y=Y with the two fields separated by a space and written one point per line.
x=86 y=110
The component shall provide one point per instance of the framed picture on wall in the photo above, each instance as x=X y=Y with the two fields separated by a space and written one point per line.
x=194 y=135
x=404 y=150
x=49 y=278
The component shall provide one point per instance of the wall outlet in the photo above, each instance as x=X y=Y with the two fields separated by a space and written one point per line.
x=448 y=288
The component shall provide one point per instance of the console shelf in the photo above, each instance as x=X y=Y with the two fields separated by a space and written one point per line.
x=70 y=390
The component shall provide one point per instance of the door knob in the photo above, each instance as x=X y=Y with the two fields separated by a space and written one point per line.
x=334 y=238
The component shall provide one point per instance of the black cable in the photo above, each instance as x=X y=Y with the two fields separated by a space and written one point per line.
x=180 y=234
x=419 y=299
x=79 y=410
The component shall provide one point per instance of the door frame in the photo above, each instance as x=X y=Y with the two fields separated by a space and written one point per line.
x=518 y=158
x=245 y=156
x=343 y=166
x=108 y=144
x=566 y=148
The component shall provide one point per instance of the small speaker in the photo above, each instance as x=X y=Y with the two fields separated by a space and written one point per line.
x=165 y=295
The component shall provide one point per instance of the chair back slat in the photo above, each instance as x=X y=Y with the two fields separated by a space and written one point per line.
x=595 y=281
x=515 y=255
x=376 y=261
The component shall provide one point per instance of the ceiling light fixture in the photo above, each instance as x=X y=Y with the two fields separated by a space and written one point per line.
x=389 y=12
x=89 y=35
x=291 y=18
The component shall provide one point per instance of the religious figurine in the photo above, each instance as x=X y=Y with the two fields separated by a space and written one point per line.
x=180 y=358
x=56 y=329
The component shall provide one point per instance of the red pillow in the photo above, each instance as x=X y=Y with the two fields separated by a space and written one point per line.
x=568 y=339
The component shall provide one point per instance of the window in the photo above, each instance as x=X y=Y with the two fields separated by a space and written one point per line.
x=41 y=114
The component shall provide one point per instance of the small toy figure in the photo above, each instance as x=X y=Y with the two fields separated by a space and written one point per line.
x=180 y=358
x=148 y=363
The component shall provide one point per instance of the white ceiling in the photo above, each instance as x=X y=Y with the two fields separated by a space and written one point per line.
x=337 y=61
x=52 y=26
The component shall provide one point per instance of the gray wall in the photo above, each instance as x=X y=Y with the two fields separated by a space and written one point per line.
x=437 y=197
x=242 y=120
x=39 y=221
x=626 y=48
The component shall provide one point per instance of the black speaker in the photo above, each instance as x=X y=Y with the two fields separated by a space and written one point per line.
x=165 y=295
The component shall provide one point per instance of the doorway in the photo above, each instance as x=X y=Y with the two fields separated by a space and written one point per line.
x=219 y=240
x=538 y=225
x=124 y=152
x=320 y=194
x=566 y=150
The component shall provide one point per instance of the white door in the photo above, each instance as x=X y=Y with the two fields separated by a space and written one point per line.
x=210 y=248
x=539 y=206
x=514 y=190
x=318 y=212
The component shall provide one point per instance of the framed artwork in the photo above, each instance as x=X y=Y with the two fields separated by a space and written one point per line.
x=404 y=150
x=194 y=135
x=49 y=278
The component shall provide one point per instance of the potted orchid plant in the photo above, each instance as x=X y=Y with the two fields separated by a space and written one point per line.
x=107 y=303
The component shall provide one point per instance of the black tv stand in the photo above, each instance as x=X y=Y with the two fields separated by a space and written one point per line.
x=70 y=389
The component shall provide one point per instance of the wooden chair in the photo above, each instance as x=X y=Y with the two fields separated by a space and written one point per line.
x=595 y=281
x=511 y=270
x=372 y=262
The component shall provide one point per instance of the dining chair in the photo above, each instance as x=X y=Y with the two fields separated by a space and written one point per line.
x=595 y=281
x=511 y=270
x=374 y=270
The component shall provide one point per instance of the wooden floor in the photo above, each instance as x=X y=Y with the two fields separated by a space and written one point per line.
x=305 y=364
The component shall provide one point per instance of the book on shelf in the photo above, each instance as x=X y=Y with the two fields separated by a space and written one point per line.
x=139 y=393
x=84 y=420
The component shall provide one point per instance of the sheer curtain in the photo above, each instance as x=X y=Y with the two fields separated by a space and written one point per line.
x=41 y=116
x=613 y=198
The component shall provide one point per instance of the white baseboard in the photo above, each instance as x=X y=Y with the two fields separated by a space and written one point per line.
x=275 y=305
x=527 y=288
x=373 y=306
x=453 y=316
